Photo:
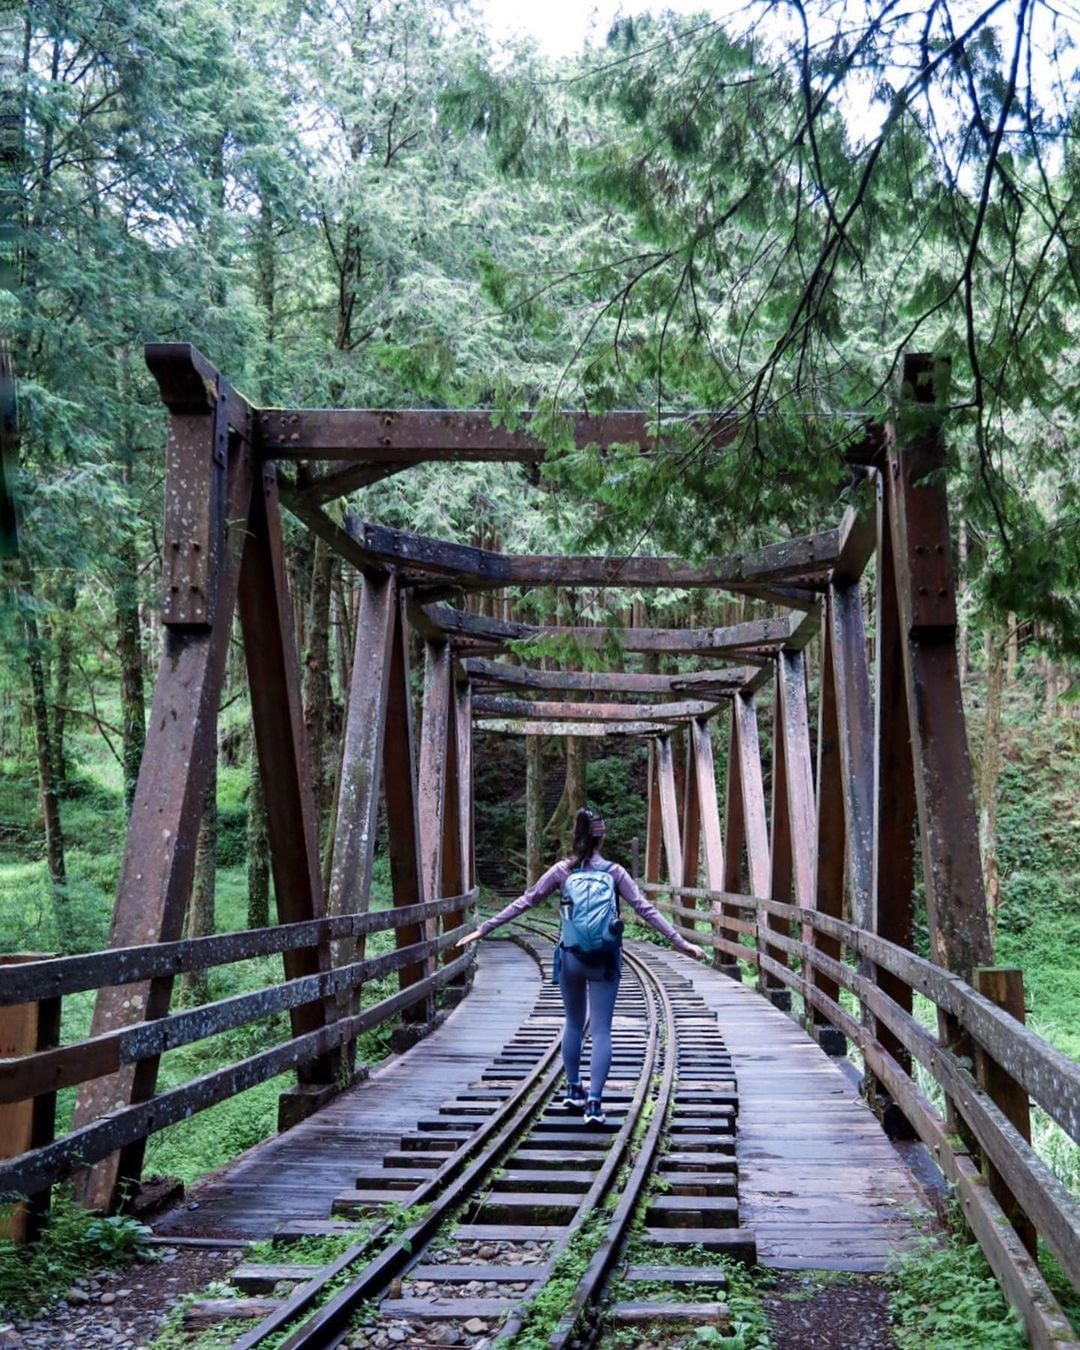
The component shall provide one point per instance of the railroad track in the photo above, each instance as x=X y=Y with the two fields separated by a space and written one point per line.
x=503 y=1194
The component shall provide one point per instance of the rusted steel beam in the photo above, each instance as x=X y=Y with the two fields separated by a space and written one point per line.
x=402 y=820
x=690 y=822
x=318 y=489
x=463 y=698
x=382 y=546
x=451 y=872
x=434 y=751
x=487 y=705
x=831 y=841
x=519 y=727
x=159 y=850
x=858 y=540
x=266 y=615
x=804 y=629
x=791 y=705
x=751 y=642
x=701 y=683
x=705 y=774
x=746 y=749
x=361 y=757
x=893 y=878
x=846 y=638
x=922 y=551
x=654 y=836
x=417 y=434
x=669 y=807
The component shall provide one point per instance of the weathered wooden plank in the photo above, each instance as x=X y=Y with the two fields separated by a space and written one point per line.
x=702 y=683
x=417 y=434
x=159 y=850
x=488 y=705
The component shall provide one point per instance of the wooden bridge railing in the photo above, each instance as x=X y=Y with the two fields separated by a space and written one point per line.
x=336 y=990
x=1010 y=1197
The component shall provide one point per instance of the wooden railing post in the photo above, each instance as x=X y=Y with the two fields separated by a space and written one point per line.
x=24 y=1029
x=1004 y=985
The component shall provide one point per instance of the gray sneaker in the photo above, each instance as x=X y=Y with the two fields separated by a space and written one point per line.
x=575 y=1097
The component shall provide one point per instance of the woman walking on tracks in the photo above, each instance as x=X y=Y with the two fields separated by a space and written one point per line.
x=588 y=959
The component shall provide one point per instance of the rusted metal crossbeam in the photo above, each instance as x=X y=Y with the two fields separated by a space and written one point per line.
x=487 y=705
x=702 y=683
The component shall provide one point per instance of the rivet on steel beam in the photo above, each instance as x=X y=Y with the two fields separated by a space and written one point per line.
x=923 y=590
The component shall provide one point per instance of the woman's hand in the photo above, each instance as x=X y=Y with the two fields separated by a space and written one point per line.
x=474 y=936
x=698 y=953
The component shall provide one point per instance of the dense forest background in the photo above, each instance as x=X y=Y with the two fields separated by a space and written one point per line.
x=371 y=204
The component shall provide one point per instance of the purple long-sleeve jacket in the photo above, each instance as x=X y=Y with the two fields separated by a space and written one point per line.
x=552 y=881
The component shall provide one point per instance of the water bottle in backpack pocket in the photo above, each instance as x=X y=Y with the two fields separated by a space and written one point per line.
x=590 y=911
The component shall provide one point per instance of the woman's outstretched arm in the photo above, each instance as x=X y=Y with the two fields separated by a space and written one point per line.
x=551 y=881
x=627 y=888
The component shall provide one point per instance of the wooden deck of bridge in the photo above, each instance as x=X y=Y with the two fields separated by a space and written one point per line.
x=819 y=1181
x=297 y=1175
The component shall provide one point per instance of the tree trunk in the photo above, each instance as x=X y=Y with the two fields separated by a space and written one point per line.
x=196 y=986
x=50 y=803
x=989 y=773
x=561 y=824
x=62 y=685
x=963 y=634
x=258 y=849
x=129 y=650
x=1014 y=649
x=534 y=807
x=317 y=688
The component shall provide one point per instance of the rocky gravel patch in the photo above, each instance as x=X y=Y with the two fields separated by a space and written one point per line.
x=120 y=1310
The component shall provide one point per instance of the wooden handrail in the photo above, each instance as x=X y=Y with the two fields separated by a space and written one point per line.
x=128 y=965
x=49 y=1070
x=34 y=1171
x=1045 y=1074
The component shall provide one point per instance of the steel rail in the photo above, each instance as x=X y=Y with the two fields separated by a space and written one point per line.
x=329 y=1324
x=596 y=1274
x=617 y=1152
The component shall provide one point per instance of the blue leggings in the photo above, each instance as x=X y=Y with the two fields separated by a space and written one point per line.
x=579 y=992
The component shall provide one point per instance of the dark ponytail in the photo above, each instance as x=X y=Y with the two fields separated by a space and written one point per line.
x=588 y=831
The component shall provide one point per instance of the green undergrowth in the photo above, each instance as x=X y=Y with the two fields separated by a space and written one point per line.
x=74 y=1243
x=945 y=1297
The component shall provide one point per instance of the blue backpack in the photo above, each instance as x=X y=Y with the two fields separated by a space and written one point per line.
x=590 y=911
